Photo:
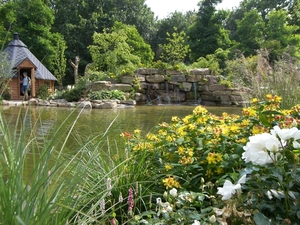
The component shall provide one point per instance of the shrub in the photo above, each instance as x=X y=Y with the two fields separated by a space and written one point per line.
x=43 y=92
x=107 y=95
x=73 y=95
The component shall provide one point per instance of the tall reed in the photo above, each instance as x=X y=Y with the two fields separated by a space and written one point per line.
x=35 y=179
x=261 y=77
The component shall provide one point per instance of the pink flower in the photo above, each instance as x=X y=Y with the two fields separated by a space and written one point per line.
x=130 y=200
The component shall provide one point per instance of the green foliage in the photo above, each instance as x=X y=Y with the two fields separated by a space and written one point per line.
x=94 y=75
x=136 y=42
x=73 y=95
x=43 y=92
x=210 y=61
x=6 y=73
x=160 y=65
x=79 y=91
x=252 y=23
x=35 y=29
x=107 y=95
x=136 y=84
x=112 y=52
x=207 y=33
x=59 y=60
x=195 y=154
x=176 y=20
x=280 y=36
x=176 y=49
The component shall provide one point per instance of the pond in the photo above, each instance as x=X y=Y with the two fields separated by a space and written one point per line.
x=91 y=122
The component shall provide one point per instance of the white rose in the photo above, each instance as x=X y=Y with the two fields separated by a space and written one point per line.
x=230 y=189
x=173 y=192
x=258 y=148
x=196 y=222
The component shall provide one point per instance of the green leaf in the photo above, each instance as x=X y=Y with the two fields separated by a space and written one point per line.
x=298 y=214
x=261 y=219
x=180 y=140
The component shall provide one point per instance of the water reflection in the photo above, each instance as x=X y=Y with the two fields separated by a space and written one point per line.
x=90 y=122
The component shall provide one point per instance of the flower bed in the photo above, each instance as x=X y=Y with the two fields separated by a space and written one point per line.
x=225 y=169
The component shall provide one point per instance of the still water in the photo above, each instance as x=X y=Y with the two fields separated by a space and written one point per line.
x=91 y=122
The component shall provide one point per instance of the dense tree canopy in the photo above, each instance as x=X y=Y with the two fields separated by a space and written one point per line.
x=207 y=34
x=70 y=26
x=119 y=50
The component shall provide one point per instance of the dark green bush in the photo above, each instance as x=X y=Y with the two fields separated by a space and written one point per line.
x=43 y=92
x=107 y=95
x=5 y=96
x=73 y=95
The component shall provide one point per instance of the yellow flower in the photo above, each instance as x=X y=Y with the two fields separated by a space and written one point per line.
x=190 y=152
x=254 y=100
x=175 y=119
x=213 y=158
x=162 y=132
x=269 y=97
x=164 y=124
x=186 y=119
x=245 y=123
x=169 y=138
x=220 y=170
x=258 y=130
x=200 y=110
x=137 y=131
x=277 y=99
x=249 y=112
x=192 y=126
x=152 y=137
x=170 y=182
x=181 y=150
x=242 y=140
x=168 y=167
x=186 y=160
x=181 y=131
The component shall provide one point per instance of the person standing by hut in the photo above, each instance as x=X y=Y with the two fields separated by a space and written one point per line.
x=25 y=85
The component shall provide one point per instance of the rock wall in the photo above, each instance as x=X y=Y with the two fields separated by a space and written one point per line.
x=196 y=86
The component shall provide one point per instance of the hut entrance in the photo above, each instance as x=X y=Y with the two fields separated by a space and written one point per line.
x=27 y=71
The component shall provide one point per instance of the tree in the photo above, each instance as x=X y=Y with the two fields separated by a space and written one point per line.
x=112 y=52
x=279 y=36
x=176 y=49
x=137 y=43
x=78 y=20
x=7 y=18
x=34 y=20
x=207 y=33
x=250 y=33
x=58 y=65
x=176 y=19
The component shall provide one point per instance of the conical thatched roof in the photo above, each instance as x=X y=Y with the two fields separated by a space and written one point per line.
x=18 y=52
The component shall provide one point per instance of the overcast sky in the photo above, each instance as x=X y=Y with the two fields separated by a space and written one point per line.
x=162 y=8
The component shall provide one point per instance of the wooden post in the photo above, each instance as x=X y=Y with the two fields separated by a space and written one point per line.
x=33 y=92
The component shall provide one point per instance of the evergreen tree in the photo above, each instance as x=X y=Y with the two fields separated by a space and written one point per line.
x=207 y=33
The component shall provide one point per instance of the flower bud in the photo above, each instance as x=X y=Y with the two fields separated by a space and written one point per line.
x=202 y=180
x=212 y=219
x=165 y=195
